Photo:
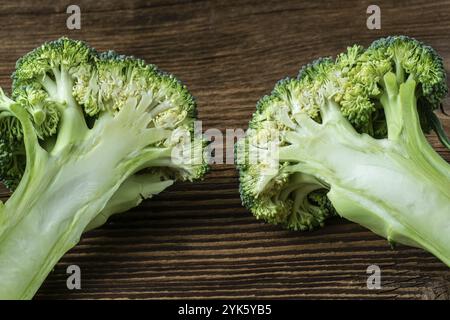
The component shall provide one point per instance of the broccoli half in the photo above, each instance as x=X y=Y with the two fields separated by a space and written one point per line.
x=347 y=136
x=84 y=136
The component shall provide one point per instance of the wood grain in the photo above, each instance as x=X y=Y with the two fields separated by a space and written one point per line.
x=196 y=240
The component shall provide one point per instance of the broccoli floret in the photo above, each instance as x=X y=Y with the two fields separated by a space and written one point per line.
x=273 y=191
x=409 y=59
x=313 y=148
x=85 y=136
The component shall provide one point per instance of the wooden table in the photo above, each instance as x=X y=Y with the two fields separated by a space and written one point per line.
x=196 y=240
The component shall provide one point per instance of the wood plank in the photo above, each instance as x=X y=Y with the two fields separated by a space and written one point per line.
x=196 y=240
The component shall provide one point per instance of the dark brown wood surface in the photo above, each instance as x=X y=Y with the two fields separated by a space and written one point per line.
x=196 y=240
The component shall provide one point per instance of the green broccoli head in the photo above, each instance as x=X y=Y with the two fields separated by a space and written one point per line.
x=53 y=70
x=85 y=136
x=407 y=58
x=42 y=85
x=345 y=137
x=66 y=80
x=411 y=58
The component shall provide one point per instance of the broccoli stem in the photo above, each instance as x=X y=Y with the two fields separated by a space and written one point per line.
x=36 y=159
x=64 y=190
x=425 y=226
x=55 y=207
x=73 y=125
x=51 y=224
x=385 y=191
x=400 y=106
x=388 y=186
x=57 y=211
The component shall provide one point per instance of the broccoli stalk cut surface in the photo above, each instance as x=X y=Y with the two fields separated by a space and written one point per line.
x=347 y=136
x=85 y=136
